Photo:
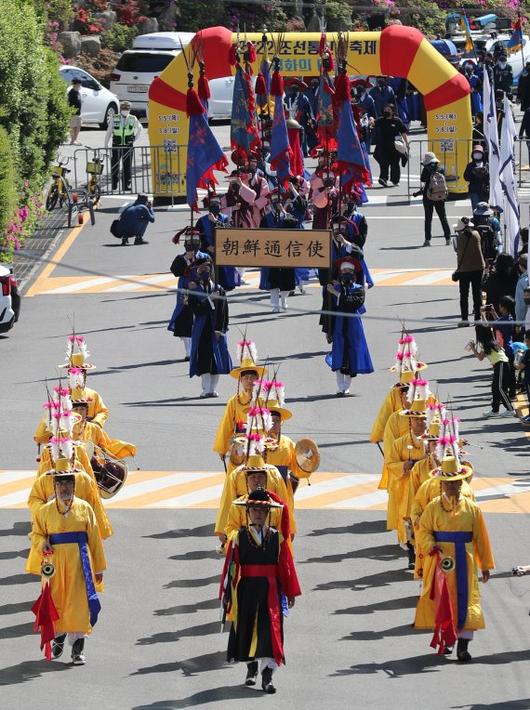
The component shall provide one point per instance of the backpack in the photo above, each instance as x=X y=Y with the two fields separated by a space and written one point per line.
x=437 y=188
x=487 y=241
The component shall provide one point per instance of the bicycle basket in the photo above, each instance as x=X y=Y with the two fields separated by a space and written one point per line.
x=58 y=170
x=94 y=167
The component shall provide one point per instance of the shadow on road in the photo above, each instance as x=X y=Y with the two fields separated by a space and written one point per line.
x=386 y=605
x=29 y=670
x=200 y=531
x=185 y=608
x=368 y=527
x=191 y=666
x=383 y=552
x=381 y=579
x=211 y=627
x=202 y=582
x=13 y=632
x=227 y=692
x=17 y=529
x=404 y=630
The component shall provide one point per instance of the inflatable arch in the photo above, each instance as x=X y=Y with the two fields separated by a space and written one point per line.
x=396 y=51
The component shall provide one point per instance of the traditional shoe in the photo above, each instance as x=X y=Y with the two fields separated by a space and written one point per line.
x=382 y=182
x=463 y=324
x=58 y=645
x=266 y=681
x=448 y=650
x=411 y=555
x=427 y=243
x=252 y=673
x=78 y=657
x=140 y=241
x=447 y=241
x=462 y=653
x=187 y=358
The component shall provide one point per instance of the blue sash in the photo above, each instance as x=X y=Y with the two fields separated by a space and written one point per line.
x=81 y=538
x=283 y=472
x=459 y=540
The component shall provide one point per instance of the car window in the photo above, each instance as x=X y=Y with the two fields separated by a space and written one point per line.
x=144 y=62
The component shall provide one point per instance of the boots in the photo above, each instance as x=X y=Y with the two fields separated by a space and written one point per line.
x=283 y=299
x=266 y=681
x=214 y=381
x=462 y=653
x=252 y=673
x=275 y=300
x=78 y=657
x=187 y=347
x=205 y=382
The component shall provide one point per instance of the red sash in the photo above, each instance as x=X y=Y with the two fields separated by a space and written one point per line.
x=273 y=603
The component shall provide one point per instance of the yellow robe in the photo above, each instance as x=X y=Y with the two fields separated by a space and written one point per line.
x=115 y=447
x=396 y=426
x=467 y=518
x=284 y=455
x=235 y=411
x=81 y=460
x=43 y=491
x=392 y=403
x=429 y=490
x=237 y=518
x=235 y=485
x=419 y=474
x=67 y=585
x=398 y=483
x=97 y=411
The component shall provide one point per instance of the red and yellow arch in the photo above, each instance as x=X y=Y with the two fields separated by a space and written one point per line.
x=396 y=51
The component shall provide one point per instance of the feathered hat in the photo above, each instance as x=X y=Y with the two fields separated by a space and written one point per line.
x=77 y=354
x=451 y=470
x=247 y=357
x=406 y=364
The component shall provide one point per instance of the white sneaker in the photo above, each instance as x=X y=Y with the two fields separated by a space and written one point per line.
x=508 y=413
x=276 y=309
x=214 y=394
x=491 y=413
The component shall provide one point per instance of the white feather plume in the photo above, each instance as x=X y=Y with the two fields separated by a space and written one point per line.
x=83 y=349
x=54 y=448
x=279 y=389
x=67 y=447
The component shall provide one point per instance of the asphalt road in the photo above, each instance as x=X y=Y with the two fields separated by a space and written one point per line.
x=349 y=641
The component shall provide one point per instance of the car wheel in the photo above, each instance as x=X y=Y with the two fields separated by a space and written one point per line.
x=109 y=115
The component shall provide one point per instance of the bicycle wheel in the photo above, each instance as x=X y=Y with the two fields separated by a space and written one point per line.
x=52 y=197
x=96 y=193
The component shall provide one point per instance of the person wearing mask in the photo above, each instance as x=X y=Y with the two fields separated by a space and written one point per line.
x=124 y=130
x=74 y=101
x=383 y=95
x=488 y=348
x=502 y=75
x=227 y=276
x=434 y=192
x=134 y=220
x=489 y=228
x=523 y=87
x=503 y=327
x=364 y=111
x=521 y=286
x=182 y=319
x=237 y=203
x=324 y=190
x=389 y=128
x=469 y=270
x=477 y=175
x=209 y=356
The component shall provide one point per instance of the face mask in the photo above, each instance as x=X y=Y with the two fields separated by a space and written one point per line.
x=346 y=278
x=125 y=113
x=387 y=114
x=477 y=157
x=502 y=65
x=204 y=276
x=215 y=209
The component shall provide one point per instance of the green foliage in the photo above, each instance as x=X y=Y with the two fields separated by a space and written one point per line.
x=8 y=192
x=57 y=109
x=338 y=14
x=196 y=14
x=59 y=11
x=119 y=37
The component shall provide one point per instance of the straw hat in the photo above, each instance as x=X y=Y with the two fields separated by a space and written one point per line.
x=417 y=409
x=451 y=470
x=284 y=413
x=248 y=365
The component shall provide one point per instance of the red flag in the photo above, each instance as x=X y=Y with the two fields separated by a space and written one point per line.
x=45 y=616
x=444 y=620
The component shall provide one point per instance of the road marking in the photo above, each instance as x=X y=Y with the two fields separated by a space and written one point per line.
x=83 y=285
x=151 y=490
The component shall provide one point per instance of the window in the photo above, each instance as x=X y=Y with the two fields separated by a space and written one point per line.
x=144 y=62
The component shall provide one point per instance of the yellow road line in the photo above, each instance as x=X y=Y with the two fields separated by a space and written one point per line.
x=57 y=256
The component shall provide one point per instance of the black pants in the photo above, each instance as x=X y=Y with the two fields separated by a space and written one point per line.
x=429 y=206
x=500 y=385
x=392 y=164
x=473 y=278
x=125 y=155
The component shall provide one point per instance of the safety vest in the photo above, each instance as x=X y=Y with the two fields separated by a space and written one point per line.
x=123 y=134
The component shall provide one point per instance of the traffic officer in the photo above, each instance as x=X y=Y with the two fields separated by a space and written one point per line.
x=124 y=131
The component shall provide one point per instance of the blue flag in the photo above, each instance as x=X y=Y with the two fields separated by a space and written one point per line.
x=204 y=156
x=280 y=149
x=351 y=159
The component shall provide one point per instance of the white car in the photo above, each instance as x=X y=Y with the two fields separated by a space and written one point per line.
x=9 y=299
x=150 y=55
x=487 y=43
x=98 y=104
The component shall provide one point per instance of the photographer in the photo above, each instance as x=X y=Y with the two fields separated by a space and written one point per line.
x=469 y=270
x=134 y=220
x=488 y=348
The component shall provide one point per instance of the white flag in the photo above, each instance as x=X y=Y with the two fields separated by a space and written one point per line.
x=492 y=139
x=511 y=209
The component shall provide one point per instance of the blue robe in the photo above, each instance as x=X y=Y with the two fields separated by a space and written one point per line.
x=209 y=354
x=228 y=276
x=182 y=319
x=349 y=352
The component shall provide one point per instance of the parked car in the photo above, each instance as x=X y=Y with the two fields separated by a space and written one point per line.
x=487 y=43
x=150 y=55
x=98 y=104
x=9 y=299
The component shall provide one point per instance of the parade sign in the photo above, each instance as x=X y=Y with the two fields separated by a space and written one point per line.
x=286 y=248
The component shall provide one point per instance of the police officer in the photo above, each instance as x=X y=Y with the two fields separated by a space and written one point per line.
x=124 y=130
x=502 y=75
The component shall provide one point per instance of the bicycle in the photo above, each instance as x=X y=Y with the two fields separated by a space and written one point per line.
x=81 y=200
x=94 y=170
x=60 y=189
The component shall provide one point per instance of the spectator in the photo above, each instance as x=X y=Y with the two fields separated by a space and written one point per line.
x=389 y=129
x=489 y=228
x=523 y=241
x=383 y=96
x=524 y=130
x=469 y=270
x=74 y=101
x=134 y=220
x=124 y=130
x=523 y=87
x=502 y=75
x=477 y=175
x=522 y=284
x=503 y=326
x=489 y=348
x=501 y=281
x=524 y=367
x=434 y=191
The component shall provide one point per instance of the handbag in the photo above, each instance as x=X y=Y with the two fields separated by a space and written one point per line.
x=116 y=230
x=455 y=276
x=399 y=145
